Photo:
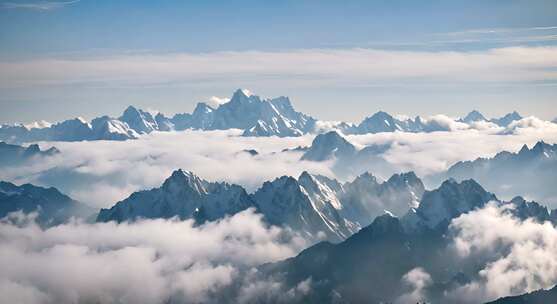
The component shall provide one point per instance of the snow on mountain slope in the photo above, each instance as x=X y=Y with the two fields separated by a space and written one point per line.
x=308 y=205
x=183 y=195
x=139 y=120
x=245 y=111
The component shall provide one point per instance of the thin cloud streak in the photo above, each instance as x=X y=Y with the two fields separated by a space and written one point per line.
x=306 y=67
x=38 y=6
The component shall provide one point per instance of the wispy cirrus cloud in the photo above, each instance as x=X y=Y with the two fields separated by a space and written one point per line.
x=310 y=67
x=38 y=5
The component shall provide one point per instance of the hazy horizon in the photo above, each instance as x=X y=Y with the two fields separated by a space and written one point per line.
x=80 y=58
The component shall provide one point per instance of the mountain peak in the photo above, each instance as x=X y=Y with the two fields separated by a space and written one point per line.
x=181 y=178
x=202 y=108
x=241 y=95
x=407 y=177
x=474 y=115
x=328 y=145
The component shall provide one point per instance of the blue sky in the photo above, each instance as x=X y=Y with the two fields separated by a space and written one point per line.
x=59 y=59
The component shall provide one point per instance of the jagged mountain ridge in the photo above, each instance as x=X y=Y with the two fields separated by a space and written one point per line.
x=390 y=247
x=314 y=205
x=250 y=113
x=531 y=172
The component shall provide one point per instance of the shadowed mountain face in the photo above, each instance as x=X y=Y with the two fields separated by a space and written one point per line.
x=368 y=266
x=535 y=297
x=183 y=195
x=12 y=155
x=329 y=146
x=315 y=206
x=52 y=206
x=531 y=172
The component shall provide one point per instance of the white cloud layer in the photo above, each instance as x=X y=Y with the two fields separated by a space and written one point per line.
x=152 y=261
x=100 y=173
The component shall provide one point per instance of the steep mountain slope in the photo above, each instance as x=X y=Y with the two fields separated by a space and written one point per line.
x=395 y=196
x=315 y=206
x=328 y=146
x=184 y=195
x=52 y=206
x=368 y=267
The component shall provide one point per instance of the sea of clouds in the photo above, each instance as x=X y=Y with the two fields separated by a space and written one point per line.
x=171 y=261
x=156 y=261
x=100 y=173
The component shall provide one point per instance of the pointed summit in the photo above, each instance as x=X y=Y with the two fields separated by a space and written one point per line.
x=327 y=146
x=182 y=195
x=473 y=116
x=379 y=122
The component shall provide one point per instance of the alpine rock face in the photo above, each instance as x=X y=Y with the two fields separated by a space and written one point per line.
x=51 y=206
x=315 y=206
x=138 y=120
x=395 y=196
x=391 y=247
x=182 y=195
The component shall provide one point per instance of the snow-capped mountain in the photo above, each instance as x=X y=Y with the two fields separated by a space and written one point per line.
x=387 y=249
x=183 y=195
x=308 y=205
x=138 y=120
x=15 y=155
x=111 y=129
x=315 y=206
x=259 y=117
x=77 y=129
x=379 y=122
x=530 y=171
x=52 y=206
x=250 y=113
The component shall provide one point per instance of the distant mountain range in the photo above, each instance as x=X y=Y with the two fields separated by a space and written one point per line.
x=51 y=206
x=530 y=171
x=314 y=205
x=11 y=155
x=390 y=247
x=250 y=113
